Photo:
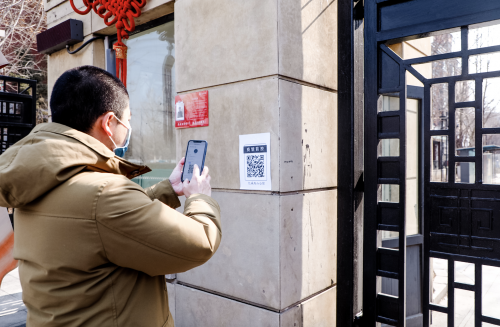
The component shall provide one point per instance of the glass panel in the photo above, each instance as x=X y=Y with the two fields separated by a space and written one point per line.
x=465 y=132
x=484 y=35
x=152 y=93
x=465 y=172
x=439 y=281
x=483 y=63
x=491 y=291
x=464 y=272
x=412 y=137
x=491 y=102
x=464 y=308
x=439 y=158
x=388 y=148
x=439 y=106
x=465 y=91
x=389 y=193
x=388 y=103
x=438 y=319
x=441 y=68
x=491 y=158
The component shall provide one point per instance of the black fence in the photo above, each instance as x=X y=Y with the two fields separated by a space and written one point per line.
x=17 y=109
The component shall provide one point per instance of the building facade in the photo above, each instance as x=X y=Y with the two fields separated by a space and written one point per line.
x=384 y=124
x=269 y=67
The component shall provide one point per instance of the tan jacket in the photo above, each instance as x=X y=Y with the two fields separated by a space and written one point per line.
x=94 y=246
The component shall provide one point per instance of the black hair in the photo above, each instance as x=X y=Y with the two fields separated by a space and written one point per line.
x=81 y=95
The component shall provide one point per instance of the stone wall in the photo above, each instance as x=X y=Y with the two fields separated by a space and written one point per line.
x=270 y=66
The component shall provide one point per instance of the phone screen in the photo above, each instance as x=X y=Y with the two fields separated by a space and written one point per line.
x=195 y=154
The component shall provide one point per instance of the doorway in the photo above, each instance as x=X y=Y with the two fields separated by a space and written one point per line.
x=432 y=163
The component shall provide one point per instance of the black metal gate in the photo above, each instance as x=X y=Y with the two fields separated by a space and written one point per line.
x=17 y=109
x=432 y=162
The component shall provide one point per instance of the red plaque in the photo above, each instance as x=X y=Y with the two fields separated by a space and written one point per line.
x=191 y=110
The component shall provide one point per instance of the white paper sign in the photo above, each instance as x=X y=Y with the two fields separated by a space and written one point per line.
x=255 y=162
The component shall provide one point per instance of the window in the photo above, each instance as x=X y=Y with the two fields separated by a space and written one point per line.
x=151 y=86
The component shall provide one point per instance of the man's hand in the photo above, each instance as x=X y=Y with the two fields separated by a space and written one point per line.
x=175 y=178
x=198 y=184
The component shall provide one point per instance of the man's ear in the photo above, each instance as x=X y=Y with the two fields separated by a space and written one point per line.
x=106 y=123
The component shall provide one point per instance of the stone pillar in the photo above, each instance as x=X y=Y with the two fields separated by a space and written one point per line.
x=270 y=66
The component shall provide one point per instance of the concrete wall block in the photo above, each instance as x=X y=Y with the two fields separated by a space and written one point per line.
x=223 y=43
x=246 y=265
x=307 y=33
x=308 y=125
x=242 y=108
x=60 y=61
x=319 y=311
x=64 y=11
x=195 y=308
x=152 y=10
x=49 y=4
x=308 y=244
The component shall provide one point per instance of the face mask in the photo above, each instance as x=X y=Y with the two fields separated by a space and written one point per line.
x=120 y=150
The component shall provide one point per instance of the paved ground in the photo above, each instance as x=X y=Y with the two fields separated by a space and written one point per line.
x=12 y=309
x=464 y=300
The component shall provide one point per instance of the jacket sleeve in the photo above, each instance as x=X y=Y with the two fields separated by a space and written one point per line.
x=147 y=235
x=164 y=192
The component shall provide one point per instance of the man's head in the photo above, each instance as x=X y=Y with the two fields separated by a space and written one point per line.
x=89 y=99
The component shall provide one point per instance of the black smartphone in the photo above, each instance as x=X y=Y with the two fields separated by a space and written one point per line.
x=195 y=154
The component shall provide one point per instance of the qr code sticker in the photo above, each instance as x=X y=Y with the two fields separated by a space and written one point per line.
x=255 y=166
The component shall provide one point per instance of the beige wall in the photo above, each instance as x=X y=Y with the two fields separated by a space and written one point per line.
x=270 y=66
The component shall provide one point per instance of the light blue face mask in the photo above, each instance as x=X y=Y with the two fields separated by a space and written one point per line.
x=120 y=150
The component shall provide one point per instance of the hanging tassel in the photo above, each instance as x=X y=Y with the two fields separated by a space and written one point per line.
x=121 y=62
x=124 y=12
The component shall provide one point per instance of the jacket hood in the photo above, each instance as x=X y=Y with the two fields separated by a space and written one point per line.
x=51 y=154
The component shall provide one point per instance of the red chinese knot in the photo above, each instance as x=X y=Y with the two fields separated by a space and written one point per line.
x=121 y=13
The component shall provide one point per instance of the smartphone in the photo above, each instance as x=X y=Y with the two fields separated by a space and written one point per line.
x=195 y=154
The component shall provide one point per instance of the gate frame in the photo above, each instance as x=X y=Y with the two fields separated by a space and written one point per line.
x=350 y=142
x=462 y=13
x=20 y=96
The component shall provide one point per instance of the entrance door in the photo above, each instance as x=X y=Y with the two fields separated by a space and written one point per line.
x=432 y=163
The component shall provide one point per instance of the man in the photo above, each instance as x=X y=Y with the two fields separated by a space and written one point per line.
x=93 y=247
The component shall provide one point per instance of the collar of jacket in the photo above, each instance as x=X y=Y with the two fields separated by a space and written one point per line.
x=112 y=163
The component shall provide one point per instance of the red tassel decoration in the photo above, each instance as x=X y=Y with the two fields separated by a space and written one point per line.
x=122 y=13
